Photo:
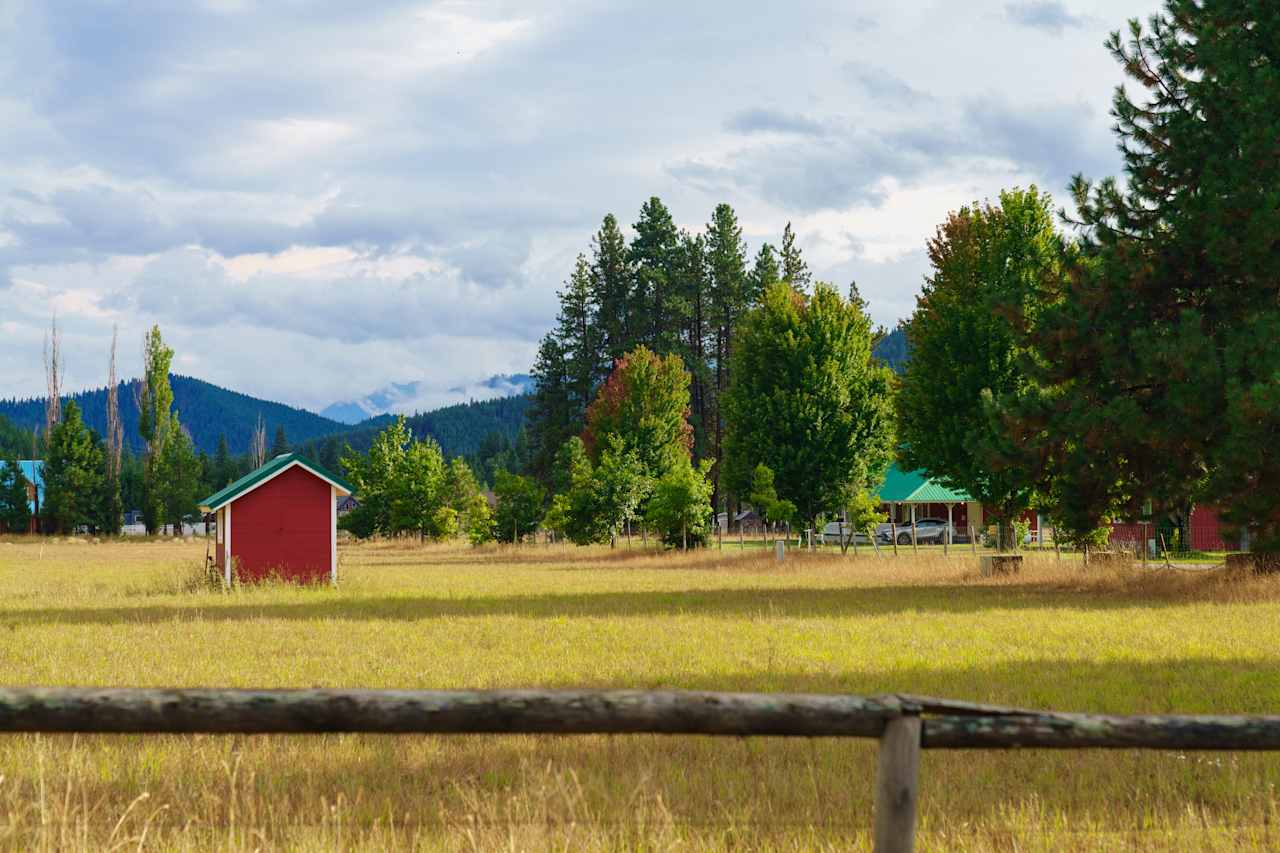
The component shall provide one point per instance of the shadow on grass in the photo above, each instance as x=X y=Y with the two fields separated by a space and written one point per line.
x=727 y=603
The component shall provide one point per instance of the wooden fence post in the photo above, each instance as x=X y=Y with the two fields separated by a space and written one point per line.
x=897 y=786
x=893 y=532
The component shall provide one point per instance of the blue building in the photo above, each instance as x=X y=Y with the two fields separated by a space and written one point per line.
x=33 y=470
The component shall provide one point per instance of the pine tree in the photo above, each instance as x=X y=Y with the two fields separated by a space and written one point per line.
x=695 y=289
x=72 y=470
x=15 y=506
x=765 y=273
x=653 y=256
x=223 y=467
x=726 y=265
x=1158 y=352
x=794 y=270
x=280 y=446
x=611 y=290
x=586 y=362
x=552 y=416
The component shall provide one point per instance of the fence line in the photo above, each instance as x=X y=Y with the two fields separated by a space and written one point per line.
x=903 y=723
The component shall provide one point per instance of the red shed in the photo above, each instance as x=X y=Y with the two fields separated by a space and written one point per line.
x=280 y=520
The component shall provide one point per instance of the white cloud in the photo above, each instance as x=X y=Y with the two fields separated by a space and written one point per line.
x=315 y=200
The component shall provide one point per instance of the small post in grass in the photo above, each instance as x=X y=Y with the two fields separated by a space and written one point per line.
x=973 y=540
x=875 y=543
x=893 y=533
x=897 y=785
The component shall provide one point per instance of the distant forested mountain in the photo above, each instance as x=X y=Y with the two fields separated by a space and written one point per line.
x=460 y=429
x=893 y=350
x=206 y=410
x=15 y=442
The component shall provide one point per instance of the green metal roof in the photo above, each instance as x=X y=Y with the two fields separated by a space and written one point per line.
x=908 y=487
x=253 y=479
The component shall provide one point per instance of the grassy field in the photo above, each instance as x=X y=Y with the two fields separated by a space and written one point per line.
x=127 y=614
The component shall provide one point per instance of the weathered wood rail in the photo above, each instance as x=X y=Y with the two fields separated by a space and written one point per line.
x=904 y=724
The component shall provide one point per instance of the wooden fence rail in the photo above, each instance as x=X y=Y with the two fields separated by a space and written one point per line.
x=904 y=724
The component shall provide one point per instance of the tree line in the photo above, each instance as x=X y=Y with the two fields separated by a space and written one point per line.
x=1126 y=368
x=808 y=427
x=90 y=478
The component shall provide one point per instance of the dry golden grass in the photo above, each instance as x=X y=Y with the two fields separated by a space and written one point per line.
x=1056 y=636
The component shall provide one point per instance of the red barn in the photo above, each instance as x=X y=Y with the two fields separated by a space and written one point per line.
x=279 y=521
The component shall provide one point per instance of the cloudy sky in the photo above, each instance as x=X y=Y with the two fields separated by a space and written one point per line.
x=314 y=199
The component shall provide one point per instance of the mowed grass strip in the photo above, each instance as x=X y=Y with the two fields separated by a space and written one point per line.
x=408 y=616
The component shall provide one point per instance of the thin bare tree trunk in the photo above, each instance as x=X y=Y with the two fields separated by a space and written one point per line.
x=258 y=444
x=53 y=378
x=115 y=432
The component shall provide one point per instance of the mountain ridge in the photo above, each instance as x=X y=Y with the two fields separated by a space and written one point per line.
x=207 y=411
x=408 y=398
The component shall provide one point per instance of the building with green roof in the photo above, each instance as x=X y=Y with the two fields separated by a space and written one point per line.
x=912 y=495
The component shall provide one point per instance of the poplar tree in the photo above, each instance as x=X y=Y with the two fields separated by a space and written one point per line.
x=155 y=421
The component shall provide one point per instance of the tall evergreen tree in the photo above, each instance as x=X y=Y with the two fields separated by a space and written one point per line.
x=1162 y=377
x=765 y=273
x=612 y=290
x=72 y=472
x=178 y=479
x=653 y=256
x=695 y=291
x=15 y=506
x=794 y=270
x=223 y=468
x=726 y=265
x=280 y=445
x=552 y=415
x=586 y=362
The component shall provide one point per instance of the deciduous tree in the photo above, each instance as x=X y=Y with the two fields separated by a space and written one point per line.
x=807 y=400
x=520 y=506
x=990 y=265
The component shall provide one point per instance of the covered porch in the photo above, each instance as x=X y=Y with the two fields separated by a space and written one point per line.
x=910 y=496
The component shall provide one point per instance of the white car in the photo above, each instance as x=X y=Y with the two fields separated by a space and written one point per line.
x=837 y=531
x=930 y=531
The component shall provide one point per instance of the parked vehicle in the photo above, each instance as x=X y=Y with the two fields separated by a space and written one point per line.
x=837 y=531
x=929 y=531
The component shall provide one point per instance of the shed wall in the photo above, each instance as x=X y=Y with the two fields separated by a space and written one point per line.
x=284 y=527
